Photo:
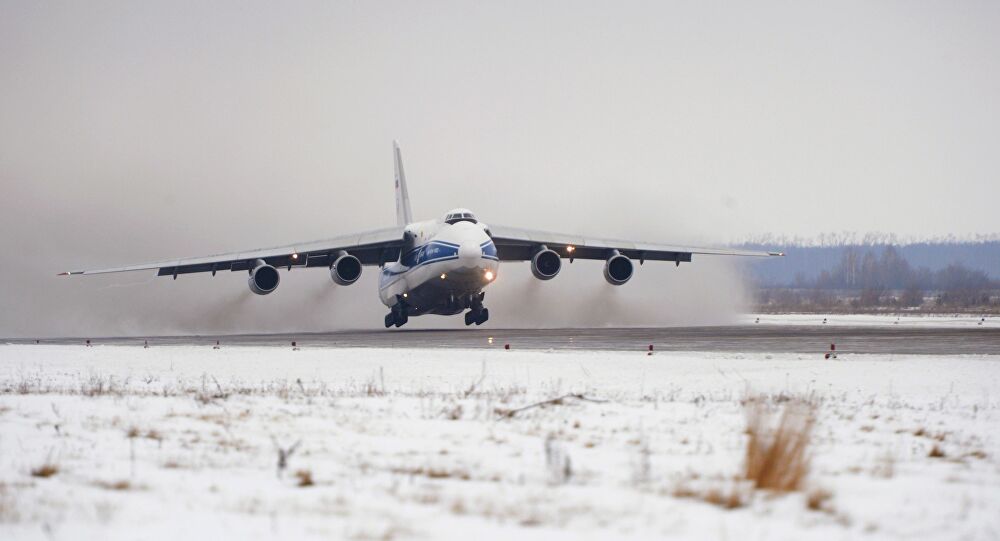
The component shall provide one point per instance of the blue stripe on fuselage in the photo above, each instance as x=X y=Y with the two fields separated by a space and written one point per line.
x=434 y=251
x=431 y=252
x=489 y=250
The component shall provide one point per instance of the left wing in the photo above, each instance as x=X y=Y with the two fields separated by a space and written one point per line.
x=372 y=248
x=516 y=244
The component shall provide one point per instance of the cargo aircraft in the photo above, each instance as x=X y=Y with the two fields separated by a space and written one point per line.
x=432 y=267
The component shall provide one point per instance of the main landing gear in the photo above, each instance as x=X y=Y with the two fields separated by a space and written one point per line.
x=398 y=316
x=478 y=318
x=477 y=313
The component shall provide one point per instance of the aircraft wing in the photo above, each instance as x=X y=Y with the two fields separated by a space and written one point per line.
x=516 y=244
x=372 y=248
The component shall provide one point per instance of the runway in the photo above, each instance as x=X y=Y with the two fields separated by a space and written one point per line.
x=741 y=338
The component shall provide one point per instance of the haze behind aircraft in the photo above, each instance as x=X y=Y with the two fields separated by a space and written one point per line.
x=435 y=266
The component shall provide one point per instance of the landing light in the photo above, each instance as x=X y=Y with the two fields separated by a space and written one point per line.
x=405 y=295
x=570 y=249
x=443 y=276
x=489 y=276
x=295 y=256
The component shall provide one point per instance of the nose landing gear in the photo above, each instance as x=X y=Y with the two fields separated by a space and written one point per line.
x=477 y=313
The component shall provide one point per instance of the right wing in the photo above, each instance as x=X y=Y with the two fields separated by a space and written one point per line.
x=517 y=244
x=372 y=248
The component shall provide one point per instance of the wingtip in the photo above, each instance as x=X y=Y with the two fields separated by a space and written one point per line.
x=777 y=254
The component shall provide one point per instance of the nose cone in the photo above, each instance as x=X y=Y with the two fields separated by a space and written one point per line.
x=469 y=254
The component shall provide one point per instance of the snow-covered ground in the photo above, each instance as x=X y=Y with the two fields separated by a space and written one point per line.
x=182 y=443
x=876 y=320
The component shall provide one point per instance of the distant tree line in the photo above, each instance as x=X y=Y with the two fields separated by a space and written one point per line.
x=872 y=238
x=805 y=262
x=865 y=278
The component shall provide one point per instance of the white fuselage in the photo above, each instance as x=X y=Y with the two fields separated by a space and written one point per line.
x=441 y=266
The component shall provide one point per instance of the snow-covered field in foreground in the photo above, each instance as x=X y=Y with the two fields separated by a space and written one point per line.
x=181 y=443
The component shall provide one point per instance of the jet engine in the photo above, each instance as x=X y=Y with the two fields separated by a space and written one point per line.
x=346 y=269
x=545 y=264
x=263 y=278
x=617 y=269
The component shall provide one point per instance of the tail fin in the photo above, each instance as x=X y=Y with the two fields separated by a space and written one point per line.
x=403 y=215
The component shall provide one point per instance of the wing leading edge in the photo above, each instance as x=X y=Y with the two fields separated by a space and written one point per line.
x=516 y=244
x=372 y=248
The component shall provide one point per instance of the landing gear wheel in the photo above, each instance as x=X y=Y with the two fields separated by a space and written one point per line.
x=400 y=321
x=477 y=316
x=397 y=318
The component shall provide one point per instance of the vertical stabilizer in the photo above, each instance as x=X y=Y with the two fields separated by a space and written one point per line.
x=403 y=215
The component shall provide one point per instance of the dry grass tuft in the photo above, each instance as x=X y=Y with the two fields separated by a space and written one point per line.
x=683 y=491
x=778 y=459
x=433 y=473
x=557 y=460
x=885 y=466
x=731 y=499
x=45 y=470
x=453 y=413
x=734 y=498
x=936 y=452
x=98 y=385
x=9 y=511
x=818 y=499
x=305 y=478
x=115 y=485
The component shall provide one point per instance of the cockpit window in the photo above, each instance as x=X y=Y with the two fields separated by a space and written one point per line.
x=454 y=217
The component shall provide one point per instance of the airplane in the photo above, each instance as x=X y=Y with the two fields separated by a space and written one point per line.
x=435 y=266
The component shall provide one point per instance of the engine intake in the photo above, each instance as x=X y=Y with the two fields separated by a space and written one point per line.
x=618 y=269
x=346 y=269
x=263 y=279
x=545 y=264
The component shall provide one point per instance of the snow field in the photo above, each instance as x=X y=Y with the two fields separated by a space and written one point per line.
x=172 y=442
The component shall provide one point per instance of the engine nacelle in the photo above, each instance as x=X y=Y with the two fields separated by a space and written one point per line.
x=346 y=269
x=264 y=279
x=618 y=269
x=545 y=264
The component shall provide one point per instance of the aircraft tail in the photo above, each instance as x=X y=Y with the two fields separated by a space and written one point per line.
x=404 y=216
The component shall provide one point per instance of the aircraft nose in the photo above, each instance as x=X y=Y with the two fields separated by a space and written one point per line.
x=469 y=254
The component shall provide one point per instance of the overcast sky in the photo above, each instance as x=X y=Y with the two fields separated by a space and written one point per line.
x=134 y=131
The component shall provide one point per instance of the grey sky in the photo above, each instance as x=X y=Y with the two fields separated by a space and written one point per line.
x=132 y=131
